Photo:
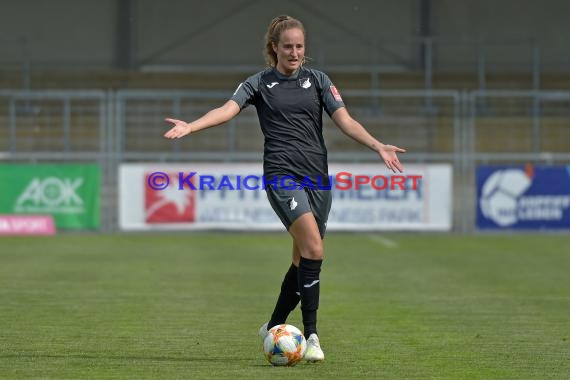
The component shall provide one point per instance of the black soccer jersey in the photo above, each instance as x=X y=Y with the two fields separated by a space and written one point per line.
x=290 y=111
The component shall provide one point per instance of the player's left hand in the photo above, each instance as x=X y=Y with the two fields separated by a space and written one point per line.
x=390 y=158
x=179 y=129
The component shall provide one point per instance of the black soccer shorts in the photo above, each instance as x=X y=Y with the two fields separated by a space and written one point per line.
x=291 y=204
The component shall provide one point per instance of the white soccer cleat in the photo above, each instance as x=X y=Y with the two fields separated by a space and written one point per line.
x=263 y=330
x=314 y=352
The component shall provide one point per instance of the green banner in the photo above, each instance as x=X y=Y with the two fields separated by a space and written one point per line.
x=70 y=193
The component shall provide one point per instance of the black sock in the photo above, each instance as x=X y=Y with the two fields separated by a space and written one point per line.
x=309 y=286
x=288 y=298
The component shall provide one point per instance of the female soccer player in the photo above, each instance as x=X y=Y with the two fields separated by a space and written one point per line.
x=289 y=99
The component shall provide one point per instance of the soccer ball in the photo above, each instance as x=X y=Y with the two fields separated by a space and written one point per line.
x=284 y=345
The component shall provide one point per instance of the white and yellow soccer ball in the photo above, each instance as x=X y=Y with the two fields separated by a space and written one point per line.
x=284 y=345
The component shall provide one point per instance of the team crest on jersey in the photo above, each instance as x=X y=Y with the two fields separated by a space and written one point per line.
x=336 y=94
x=305 y=82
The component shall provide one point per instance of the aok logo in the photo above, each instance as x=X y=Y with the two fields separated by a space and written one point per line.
x=51 y=194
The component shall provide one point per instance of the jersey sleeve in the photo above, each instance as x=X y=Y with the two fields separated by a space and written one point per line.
x=245 y=93
x=330 y=96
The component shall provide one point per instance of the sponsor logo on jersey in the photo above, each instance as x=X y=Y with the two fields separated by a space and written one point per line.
x=273 y=84
x=336 y=94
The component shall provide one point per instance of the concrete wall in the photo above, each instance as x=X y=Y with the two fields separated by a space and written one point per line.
x=508 y=30
x=340 y=32
x=58 y=32
x=218 y=32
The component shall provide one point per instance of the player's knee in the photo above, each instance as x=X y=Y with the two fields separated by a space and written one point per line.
x=314 y=250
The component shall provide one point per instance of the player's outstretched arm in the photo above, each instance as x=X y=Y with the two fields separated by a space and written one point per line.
x=214 y=117
x=357 y=132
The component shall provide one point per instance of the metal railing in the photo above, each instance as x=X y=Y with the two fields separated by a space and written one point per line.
x=464 y=129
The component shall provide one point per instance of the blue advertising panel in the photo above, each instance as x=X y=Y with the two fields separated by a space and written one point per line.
x=523 y=197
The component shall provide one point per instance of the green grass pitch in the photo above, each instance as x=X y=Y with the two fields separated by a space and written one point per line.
x=188 y=306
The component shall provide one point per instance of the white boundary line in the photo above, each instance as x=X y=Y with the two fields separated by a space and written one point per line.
x=388 y=243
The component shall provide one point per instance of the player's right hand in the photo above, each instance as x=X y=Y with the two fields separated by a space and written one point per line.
x=179 y=129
